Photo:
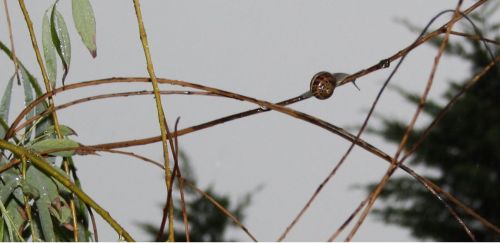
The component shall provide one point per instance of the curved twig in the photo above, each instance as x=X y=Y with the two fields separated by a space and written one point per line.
x=103 y=96
x=394 y=163
x=404 y=52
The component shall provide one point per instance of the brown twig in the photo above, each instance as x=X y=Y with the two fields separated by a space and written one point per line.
x=475 y=37
x=402 y=54
x=9 y=165
x=85 y=150
x=11 y=38
x=226 y=212
x=94 y=225
x=181 y=186
x=347 y=221
x=394 y=163
x=103 y=96
x=169 y=200
x=436 y=120
x=405 y=51
x=201 y=126
x=221 y=208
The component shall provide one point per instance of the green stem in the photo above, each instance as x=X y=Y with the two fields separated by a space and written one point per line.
x=161 y=115
x=39 y=59
x=49 y=170
x=27 y=206
x=48 y=87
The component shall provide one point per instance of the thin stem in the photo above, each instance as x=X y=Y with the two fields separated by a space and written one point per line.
x=45 y=76
x=27 y=206
x=48 y=87
x=159 y=108
x=221 y=208
x=475 y=37
x=376 y=192
x=145 y=141
x=94 y=225
x=11 y=38
x=405 y=51
x=98 y=97
x=181 y=183
x=436 y=120
x=169 y=199
x=384 y=63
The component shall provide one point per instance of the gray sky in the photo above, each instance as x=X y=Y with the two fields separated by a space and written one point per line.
x=265 y=49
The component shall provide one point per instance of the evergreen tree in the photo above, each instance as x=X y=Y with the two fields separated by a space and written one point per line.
x=206 y=222
x=464 y=148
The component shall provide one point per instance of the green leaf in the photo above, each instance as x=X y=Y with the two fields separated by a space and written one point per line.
x=28 y=98
x=63 y=190
x=65 y=215
x=65 y=147
x=45 y=220
x=9 y=183
x=49 y=50
x=7 y=190
x=48 y=192
x=83 y=220
x=83 y=16
x=5 y=105
x=14 y=209
x=44 y=123
x=8 y=222
x=65 y=130
x=60 y=38
x=29 y=190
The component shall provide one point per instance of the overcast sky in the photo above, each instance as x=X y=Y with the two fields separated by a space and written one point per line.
x=265 y=49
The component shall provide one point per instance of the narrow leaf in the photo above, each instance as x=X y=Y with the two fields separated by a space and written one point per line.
x=60 y=38
x=14 y=210
x=65 y=130
x=60 y=147
x=42 y=182
x=8 y=189
x=8 y=222
x=28 y=98
x=29 y=190
x=83 y=16
x=83 y=220
x=5 y=105
x=45 y=220
x=44 y=123
x=48 y=192
x=49 y=50
x=9 y=182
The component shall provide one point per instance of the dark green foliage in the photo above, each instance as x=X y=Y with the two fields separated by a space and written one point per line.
x=464 y=150
x=206 y=222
